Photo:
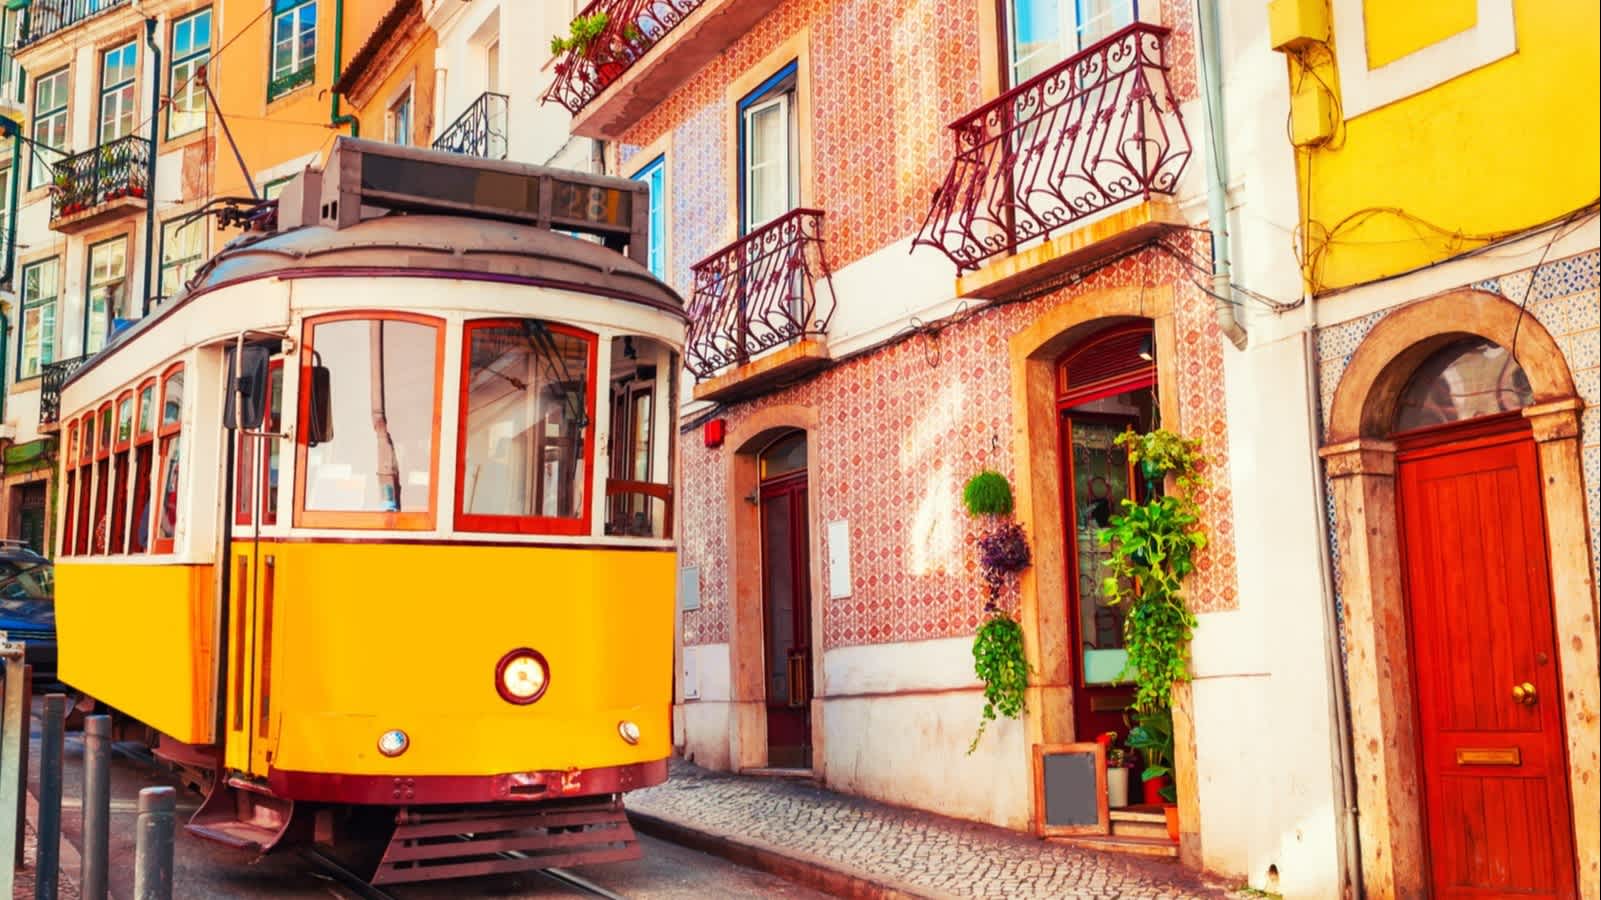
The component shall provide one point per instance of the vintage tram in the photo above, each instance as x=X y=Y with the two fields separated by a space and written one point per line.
x=373 y=523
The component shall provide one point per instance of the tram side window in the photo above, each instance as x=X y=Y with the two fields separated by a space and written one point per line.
x=102 y=523
x=143 y=459
x=120 y=465
x=257 y=454
x=377 y=469
x=68 y=505
x=85 y=484
x=528 y=401
x=170 y=432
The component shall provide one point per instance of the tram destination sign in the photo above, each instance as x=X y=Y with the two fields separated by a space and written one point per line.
x=363 y=176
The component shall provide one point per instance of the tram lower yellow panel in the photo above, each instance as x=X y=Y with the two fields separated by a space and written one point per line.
x=140 y=638
x=369 y=637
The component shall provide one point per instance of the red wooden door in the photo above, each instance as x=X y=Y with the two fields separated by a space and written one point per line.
x=786 y=601
x=1488 y=696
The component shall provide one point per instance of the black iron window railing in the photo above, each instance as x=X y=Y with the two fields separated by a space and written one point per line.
x=108 y=172
x=42 y=19
x=54 y=375
x=480 y=130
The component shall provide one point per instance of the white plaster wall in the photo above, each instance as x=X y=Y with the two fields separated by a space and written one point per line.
x=703 y=715
x=897 y=722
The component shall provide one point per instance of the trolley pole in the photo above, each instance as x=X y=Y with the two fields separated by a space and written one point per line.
x=96 y=806
x=48 y=862
x=152 y=877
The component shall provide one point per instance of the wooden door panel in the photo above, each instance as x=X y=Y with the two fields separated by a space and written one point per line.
x=1480 y=624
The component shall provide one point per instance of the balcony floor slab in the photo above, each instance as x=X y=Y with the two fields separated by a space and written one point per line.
x=1078 y=248
x=765 y=373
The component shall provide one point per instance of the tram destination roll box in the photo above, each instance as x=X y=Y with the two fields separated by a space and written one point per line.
x=1070 y=789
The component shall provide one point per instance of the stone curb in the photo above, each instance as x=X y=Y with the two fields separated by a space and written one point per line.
x=805 y=869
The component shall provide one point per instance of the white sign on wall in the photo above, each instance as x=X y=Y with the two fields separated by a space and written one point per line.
x=839 y=559
x=689 y=587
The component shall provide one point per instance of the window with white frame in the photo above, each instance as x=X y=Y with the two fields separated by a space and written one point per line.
x=108 y=287
x=49 y=124
x=12 y=80
x=183 y=249
x=492 y=67
x=7 y=172
x=118 y=100
x=1042 y=33
x=399 y=119
x=41 y=282
x=654 y=175
x=768 y=159
x=191 y=50
x=294 y=45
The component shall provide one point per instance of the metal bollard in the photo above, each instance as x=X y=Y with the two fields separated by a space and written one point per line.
x=96 y=806
x=47 y=864
x=13 y=763
x=152 y=877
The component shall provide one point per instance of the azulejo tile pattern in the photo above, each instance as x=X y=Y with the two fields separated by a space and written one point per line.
x=900 y=429
x=1564 y=295
x=887 y=78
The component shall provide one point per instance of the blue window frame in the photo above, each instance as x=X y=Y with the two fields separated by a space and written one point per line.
x=654 y=174
x=768 y=175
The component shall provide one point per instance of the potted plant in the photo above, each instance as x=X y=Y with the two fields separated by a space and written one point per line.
x=998 y=658
x=588 y=38
x=1117 y=762
x=1153 y=737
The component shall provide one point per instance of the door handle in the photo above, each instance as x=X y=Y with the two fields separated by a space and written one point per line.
x=797 y=678
x=1524 y=694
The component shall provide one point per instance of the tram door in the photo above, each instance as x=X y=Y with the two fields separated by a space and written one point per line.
x=252 y=577
x=786 y=602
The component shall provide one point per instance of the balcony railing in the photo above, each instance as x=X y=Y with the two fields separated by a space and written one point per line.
x=759 y=292
x=43 y=18
x=108 y=172
x=53 y=376
x=1099 y=128
x=479 y=131
x=632 y=28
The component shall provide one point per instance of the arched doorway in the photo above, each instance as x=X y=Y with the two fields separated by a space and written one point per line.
x=1104 y=386
x=786 y=601
x=1425 y=469
x=1477 y=591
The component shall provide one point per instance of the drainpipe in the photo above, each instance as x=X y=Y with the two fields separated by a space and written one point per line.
x=1228 y=321
x=150 y=161
x=9 y=126
x=335 y=119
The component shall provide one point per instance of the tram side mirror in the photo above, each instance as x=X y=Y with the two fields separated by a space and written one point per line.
x=319 y=415
x=246 y=406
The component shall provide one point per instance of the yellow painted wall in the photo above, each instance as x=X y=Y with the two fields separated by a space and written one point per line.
x=140 y=638
x=417 y=67
x=296 y=123
x=369 y=637
x=1490 y=153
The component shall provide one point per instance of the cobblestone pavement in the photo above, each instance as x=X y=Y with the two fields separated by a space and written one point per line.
x=921 y=851
x=66 y=885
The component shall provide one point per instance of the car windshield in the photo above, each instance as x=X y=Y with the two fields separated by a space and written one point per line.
x=25 y=586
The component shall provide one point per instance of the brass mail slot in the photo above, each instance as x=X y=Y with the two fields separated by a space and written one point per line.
x=1489 y=756
x=797 y=678
x=1108 y=704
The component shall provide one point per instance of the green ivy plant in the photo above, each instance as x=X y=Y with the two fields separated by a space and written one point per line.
x=1153 y=736
x=1153 y=546
x=998 y=659
x=987 y=494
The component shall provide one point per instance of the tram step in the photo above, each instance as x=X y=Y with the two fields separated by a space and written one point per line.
x=468 y=841
x=241 y=816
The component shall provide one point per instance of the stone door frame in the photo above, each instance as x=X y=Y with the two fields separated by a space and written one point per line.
x=1359 y=461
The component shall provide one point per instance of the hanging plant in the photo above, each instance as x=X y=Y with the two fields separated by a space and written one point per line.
x=999 y=662
x=988 y=494
x=1002 y=554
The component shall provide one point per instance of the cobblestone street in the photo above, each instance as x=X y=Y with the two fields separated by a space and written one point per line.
x=916 y=852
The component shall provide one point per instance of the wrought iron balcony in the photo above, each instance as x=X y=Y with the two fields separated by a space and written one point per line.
x=91 y=183
x=769 y=288
x=43 y=18
x=480 y=130
x=1100 y=128
x=631 y=28
x=53 y=376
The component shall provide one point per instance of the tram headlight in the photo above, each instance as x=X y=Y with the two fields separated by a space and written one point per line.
x=628 y=731
x=522 y=676
x=393 y=743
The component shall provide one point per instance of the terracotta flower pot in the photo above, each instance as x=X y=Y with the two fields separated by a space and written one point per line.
x=1172 y=813
x=1153 y=790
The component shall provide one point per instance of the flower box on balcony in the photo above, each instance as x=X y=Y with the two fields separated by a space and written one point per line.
x=100 y=184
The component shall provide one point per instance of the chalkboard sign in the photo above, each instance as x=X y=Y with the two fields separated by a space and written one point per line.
x=1070 y=789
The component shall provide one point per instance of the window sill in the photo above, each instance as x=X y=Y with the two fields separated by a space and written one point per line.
x=274 y=99
x=183 y=140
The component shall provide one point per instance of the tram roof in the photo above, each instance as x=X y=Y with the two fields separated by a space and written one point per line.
x=419 y=234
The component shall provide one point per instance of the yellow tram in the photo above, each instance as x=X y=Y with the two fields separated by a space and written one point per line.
x=372 y=525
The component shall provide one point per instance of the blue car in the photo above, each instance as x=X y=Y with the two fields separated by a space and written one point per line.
x=28 y=606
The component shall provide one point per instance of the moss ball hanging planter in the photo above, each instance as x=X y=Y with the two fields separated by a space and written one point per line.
x=988 y=494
